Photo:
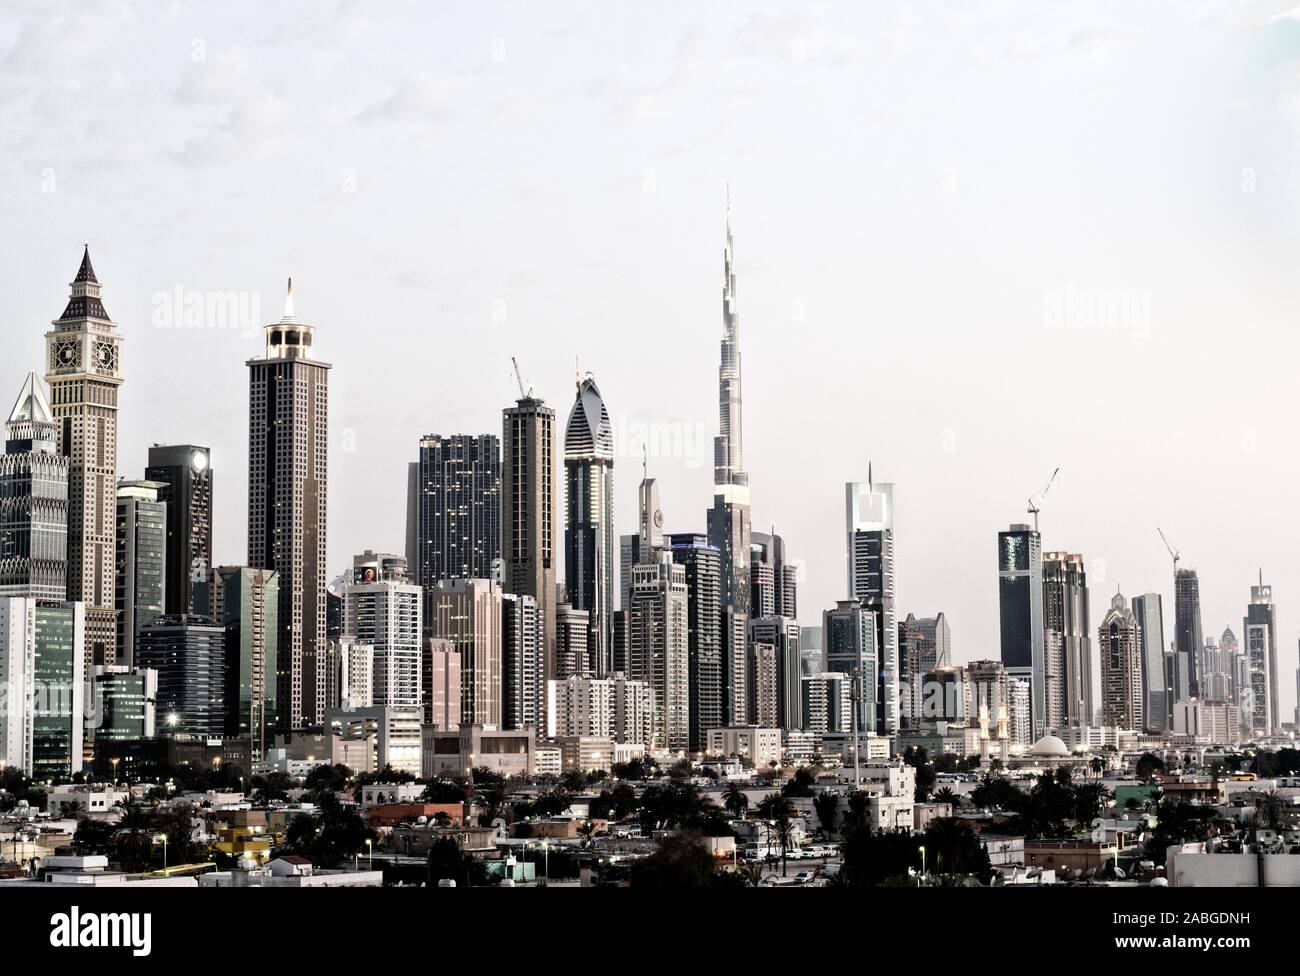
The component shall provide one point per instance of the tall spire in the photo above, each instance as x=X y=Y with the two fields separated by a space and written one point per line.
x=288 y=304
x=728 y=452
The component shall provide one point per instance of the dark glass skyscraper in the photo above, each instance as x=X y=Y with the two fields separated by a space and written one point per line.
x=189 y=654
x=141 y=562
x=1065 y=611
x=1188 y=639
x=1157 y=702
x=457 y=509
x=589 y=520
x=185 y=471
x=33 y=501
x=1020 y=609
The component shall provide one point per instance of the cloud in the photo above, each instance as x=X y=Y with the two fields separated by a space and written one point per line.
x=217 y=78
x=418 y=96
x=794 y=37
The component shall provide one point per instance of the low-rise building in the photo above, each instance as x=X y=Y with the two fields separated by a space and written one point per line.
x=760 y=747
x=456 y=752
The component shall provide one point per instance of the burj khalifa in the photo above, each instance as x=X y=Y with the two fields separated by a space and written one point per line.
x=729 y=518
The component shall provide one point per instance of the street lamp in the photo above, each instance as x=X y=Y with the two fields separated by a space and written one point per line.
x=163 y=839
x=922 y=864
x=115 y=760
x=370 y=853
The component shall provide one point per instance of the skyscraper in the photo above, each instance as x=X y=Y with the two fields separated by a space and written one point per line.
x=703 y=567
x=659 y=646
x=782 y=634
x=33 y=500
x=468 y=612
x=1188 y=639
x=870 y=524
x=141 y=562
x=186 y=473
x=849 y=635
x=1065 y=611
x=84 y=359
x=523 y=664
x=589 y=520
x=1260 y=626
x=1020 y=608
x=250 y=603
x=529 y=544
x=645 y=546
x=383 y=608
x=457 y=509
x=1121 y=666
x=572 y=631
x=288 y=442
x=189 y=653
x=1157 y=702
x=773 y=582
x=42 y=654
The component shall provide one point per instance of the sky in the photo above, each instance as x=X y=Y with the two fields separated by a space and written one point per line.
x=974 y=242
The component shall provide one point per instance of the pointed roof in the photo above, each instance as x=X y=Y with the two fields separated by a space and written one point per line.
x=86 y=272
x=588 y=432
x=31 y=403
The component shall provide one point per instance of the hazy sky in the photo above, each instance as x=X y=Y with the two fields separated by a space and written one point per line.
x=974 y=242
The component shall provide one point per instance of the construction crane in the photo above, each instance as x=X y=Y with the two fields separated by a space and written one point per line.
x=520 y=380
x=1036 y=500
x=1172 y=551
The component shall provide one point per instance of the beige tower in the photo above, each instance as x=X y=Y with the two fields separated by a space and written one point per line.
x=288 y=437
x=84 y=369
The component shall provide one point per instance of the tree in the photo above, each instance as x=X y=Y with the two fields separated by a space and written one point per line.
x=1147 y=766
x=827 y=805
x=679 y=861
x=446 y=861
x=800 y=784
x=735 y=800
x=444 y=791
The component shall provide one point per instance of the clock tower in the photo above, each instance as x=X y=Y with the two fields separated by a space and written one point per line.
x=83 y=368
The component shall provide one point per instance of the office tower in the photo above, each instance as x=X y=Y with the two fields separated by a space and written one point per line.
x=810 y=641
x=186 y=473
x=1296 y=716
x=702 y=564
x=1260 y=625
x=141 y=562
x=1121 y=666
x=334 y=607
x=870 y=523
x=782 y=634
x=249 y=607
x=1157 y=702
x=457 y=509
x=189 y=653
x=1065 y=610
x=645 y=546
x=763 y=679
x=1188 y=639
x=849 y=632
x=529 y=544
x=523 y=663
x=589 y=519
x=288 y=441
x=42 y=660
x=659 y=647
x=773 y=585
x=1232 y=661
x=350 y=674
x=947 y=697
x=33 y=500
x=441 y=673
x=1020 y=607
x=990 y=686
x=572 y=631
x=1216 y=672
x=124 y=702
x=924 y=645
x=1020 y=713
x=827 y=700
x=468 y=612
x=616 y=708
x=383 y=609
x=84 y=359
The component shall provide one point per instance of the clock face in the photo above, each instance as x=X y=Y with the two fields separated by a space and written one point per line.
x=659 y=519
x=198 y=461
x=105 y=356
x=65 y=355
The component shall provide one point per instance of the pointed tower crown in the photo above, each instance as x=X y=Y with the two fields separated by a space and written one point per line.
x=83 y=294
x=30 y=423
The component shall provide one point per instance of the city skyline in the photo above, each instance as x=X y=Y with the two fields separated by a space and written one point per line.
x=1240 y=444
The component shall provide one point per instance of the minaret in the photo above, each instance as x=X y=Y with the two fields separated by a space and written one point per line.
x=288 y=437
x=729 y=518
x=83 y=360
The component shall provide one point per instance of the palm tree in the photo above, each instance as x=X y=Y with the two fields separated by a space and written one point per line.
x=1098 y=766
x=752 y=873
x=827 y=805
x=945 y=795
x=735 y=800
